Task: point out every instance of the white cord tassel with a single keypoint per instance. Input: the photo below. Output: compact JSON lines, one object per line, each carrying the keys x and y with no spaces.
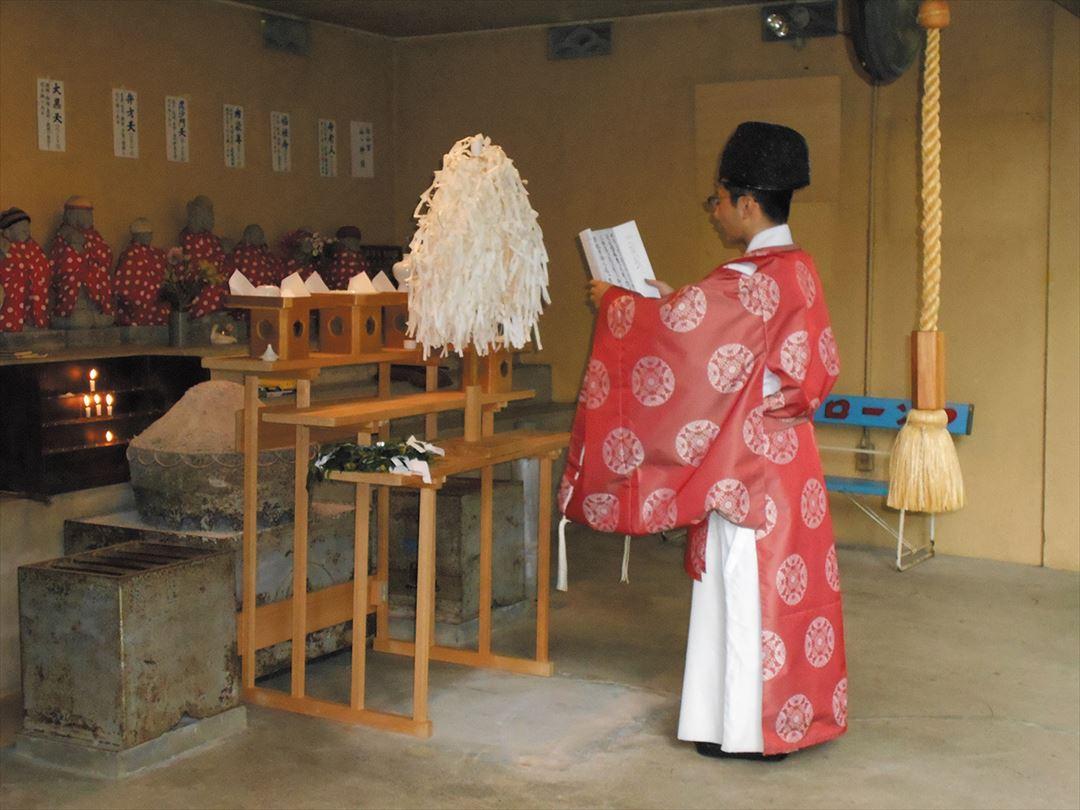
{"x":560,"y":582}
{"x":626,"y":560}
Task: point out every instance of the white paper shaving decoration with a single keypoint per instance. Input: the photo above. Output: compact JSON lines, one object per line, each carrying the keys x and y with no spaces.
{"x":477,"y":263}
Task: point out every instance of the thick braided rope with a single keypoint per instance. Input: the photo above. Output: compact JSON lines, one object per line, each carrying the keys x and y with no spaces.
{"x":931,"y":183}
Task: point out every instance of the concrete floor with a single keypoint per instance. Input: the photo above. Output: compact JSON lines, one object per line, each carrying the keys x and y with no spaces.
{"x":964,"y":693}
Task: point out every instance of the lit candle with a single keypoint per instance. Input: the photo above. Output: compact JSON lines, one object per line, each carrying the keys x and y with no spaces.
{"x":93,"y":379}
{"x":108,"y":435}
{"x":86,"y":403}
{"x":97,"y":403}
{"x":108,"y":404}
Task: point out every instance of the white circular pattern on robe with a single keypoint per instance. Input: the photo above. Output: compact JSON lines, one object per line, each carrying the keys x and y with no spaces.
{"x":806,"y":283}
{"x":795,"y":354}
{"x":794,"y":718}
{"x":658,"y":511}
{"x":596,"y":385}
{"x":694,"y":439}
{"x":820,"y":642}
{"x":652,"y":381}
{"x":684,"y":311}
{"x":620,"y":315}
{"x":827,"y":350}
{"x":832,"y":570}
{"x":601,"y":510}
{"x":813,"y":503}
{"x":759,"y":294}
{"x":770,"y":519}
{"x":839,"y":702}
{"x":773,"y":654}
{"x":791,"y":579}
{"x":753,"y":432}
{"x":730,"y":367}
{"x":783,"y":446}
{"x":623,"y":451}
{"x":566,"y":491}
{"x":730,"y":498}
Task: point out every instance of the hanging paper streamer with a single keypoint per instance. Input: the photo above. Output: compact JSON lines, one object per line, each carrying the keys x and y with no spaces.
{"x":327,"y":148}
{"x":176,"y":128}
{"x":363,"y":149}
{"x":52,"y":135}
{"x":125,"y":123}
{"x":280,"y":142}
{"x":233,"y":125}
{"x":477,"y":263}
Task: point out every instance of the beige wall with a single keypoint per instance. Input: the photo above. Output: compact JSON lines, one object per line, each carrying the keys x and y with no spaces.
{"x":1063,"y":319}
{"x":609,"y":139}
{"x":213,"y":53}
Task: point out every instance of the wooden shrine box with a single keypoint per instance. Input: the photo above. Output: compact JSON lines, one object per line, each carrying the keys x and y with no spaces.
{"x":396,"y":321}
{"x":281,"y":322}
{"x":352,"y":323}
{"x":496,"y":371}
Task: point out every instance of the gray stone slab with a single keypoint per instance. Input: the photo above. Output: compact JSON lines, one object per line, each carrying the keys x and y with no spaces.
{"x":190,"y":737}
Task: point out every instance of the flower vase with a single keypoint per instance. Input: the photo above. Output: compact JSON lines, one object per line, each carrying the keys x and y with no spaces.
{"x":178,"y":328}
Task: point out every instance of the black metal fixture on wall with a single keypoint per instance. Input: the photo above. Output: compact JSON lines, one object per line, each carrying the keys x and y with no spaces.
{"x":793,"y":22}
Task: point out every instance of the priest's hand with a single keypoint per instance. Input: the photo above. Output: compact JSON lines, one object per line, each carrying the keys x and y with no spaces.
{"x":665,"y":289}
{"x":597,"y":289}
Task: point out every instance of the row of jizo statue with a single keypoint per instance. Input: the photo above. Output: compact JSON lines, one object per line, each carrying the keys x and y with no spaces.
{"x":75,"y":286}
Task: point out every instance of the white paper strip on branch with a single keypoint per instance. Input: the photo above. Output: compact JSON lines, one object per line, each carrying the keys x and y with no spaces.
{"x":233,"y":133}
{"x":125,"y":105}
{"x":327,"y":148}
{"x":280,"y":142}
{"x":176,"y":129}
{"x":477,"y":261}
{"x":362,"y":141}
{"x":52,"y":132}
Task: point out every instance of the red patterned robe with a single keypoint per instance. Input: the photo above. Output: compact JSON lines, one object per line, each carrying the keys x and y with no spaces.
{"x":26,"y":275}
{"x":672,"y":425}
{"x":344,"y":265}
{"x":139,"y":274}
{"x":205,"y":245}
{"x":256,"y":262}
{"x":73,"y":270}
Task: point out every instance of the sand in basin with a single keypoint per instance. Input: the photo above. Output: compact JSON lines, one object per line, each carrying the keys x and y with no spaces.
{"x":203,"y":421}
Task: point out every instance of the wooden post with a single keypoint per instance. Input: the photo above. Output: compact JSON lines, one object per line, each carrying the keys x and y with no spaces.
{"x":473,"y":414}
{"x":486,"y":488}
{"x":300,"y":545}
{"x":425,"y":603}
{"x":251,"y":508}
{"x":360,"y":590}
{"x":431,"y":383}
{"x":543,"y":560}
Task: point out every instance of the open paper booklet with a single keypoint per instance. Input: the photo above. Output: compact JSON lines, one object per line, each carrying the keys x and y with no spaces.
{"x":294,"y":287}
{"x":617,"y":255}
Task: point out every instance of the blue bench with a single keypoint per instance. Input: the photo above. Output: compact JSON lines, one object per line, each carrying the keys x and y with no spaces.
{"x":879,"y":413}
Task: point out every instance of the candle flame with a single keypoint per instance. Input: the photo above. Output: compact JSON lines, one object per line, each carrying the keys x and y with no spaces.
{"x":93,"y":374}
{"x":97,"y":399}
{"x":108,"y":399}
{"x":108,"y":435}
{"x":86,"y":400}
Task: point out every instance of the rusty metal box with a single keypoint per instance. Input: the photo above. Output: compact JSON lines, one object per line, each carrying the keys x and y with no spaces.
{"x":122,"y":644}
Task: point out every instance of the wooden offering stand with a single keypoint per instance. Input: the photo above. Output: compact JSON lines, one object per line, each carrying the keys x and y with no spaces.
{"x":485,"y":389}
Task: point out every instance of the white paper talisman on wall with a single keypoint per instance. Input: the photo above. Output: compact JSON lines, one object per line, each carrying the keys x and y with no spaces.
{"x":233,"y":130}
{"x":327,"y":148}
{"x":176,"y":128}
{"x":280,"y":142}
{"x":125,"y":114}
{"x":363,"y":149}
{"x":52,"y":135}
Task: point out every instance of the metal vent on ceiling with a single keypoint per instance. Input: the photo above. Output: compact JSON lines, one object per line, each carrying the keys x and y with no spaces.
{"x":579,"y":41}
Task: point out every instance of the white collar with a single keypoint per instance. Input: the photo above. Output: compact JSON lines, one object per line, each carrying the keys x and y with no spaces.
{"x":776,"y":236}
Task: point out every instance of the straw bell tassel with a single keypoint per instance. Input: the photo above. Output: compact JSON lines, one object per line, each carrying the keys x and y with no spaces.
{"x":924,"y":472}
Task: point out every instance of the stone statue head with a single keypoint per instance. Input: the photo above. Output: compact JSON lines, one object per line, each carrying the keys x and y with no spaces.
{"x":15,"y":225}
{"x":254,"y":236}
{"x":200,"y":215}
{"x":79,"y":213}
{"x":142,"y":232}
{"x":348,"y":237}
